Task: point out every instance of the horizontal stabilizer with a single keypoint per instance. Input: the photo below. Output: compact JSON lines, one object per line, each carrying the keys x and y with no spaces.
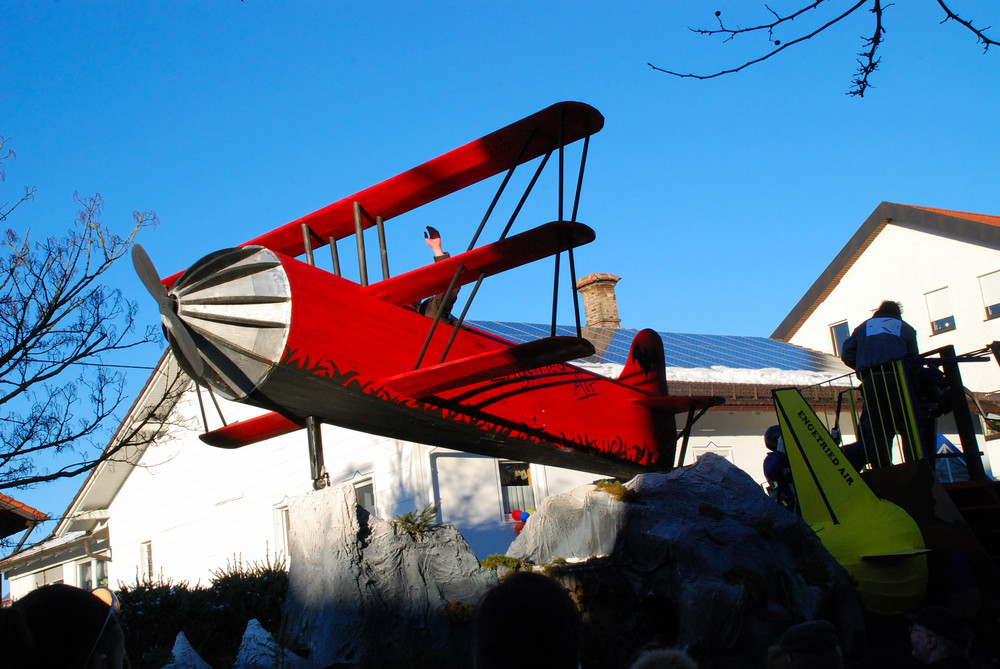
{"x":521,"y":358}
{"x":250,"y":431}
{"x":521,"y":249}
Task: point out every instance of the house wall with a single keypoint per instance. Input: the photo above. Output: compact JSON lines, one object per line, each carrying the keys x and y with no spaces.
{"x":201,"y":507}
{"x":904,"y":264}
{"x":737,"y":436}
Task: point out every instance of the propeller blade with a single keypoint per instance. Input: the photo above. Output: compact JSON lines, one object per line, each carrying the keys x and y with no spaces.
{"x":147,"y":274}
{"x":174,"y":325}
{"x":188,"y":349}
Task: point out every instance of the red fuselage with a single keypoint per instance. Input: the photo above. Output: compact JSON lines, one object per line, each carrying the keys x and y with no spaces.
{"x":342,"y":347}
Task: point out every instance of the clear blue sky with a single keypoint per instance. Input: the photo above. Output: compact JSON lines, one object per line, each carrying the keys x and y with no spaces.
{"x":718,"y":202}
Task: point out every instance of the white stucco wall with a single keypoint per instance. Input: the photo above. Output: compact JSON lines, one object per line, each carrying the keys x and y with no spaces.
{"x":201,"y":507}
{"x":737,"y":436}
{"x":904,"y":265}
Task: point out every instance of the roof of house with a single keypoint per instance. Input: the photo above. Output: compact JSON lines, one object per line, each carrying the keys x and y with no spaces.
{"x":16,"y":516}
{"x":689,"y":351}
{"x":46,"y":545}
{"x":979,"y":229}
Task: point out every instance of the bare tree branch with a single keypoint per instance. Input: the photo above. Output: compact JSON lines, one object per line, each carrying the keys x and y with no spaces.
{"x":60,"y":328}
{"x":981,"y":37}
{"x":152,"y":422}
{"x":868,"y":61}
{"x":770,"y":27}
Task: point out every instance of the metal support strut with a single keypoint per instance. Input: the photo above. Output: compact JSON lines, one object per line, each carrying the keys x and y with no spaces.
{"x":316,"y":467}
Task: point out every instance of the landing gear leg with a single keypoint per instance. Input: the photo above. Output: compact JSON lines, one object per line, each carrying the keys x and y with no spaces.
{"x":318,"y":470}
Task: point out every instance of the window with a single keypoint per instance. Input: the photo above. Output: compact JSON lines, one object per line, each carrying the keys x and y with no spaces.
{"x":365,"y":491}
{"x":839,"y":334}
{"x":102,"y":572}
{"x":515,"y":487}
{"x":939,"y":309}
{"x":49,"y":576}
{"x":146,"y":561}
{"x":990,"y":285}
{"x":281,"y":529}
{"x":85,"y":578}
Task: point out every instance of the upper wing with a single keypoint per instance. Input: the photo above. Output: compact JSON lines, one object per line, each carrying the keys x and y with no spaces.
{"x":561,"y":124}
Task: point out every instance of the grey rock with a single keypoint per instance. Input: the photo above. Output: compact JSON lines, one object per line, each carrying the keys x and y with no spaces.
{"x":184,"y":656}
{"x":259,"y":650}
{"x":362,"y":592}
{"x":703,"y":560}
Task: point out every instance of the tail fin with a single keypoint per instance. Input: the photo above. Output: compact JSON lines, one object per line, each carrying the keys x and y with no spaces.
{"x":827,"y":485}
{"x":877,"y":542}
{"x":645,"y":367}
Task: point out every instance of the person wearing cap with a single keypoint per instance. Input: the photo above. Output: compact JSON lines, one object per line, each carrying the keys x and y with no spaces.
{"x":939,"y":638}
{"x":808,"y":645}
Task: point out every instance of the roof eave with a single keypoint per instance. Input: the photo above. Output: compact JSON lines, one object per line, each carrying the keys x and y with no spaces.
{"x":954,"y":225}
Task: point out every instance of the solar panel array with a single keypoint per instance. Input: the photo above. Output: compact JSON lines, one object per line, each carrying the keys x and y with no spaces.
{"x":680,"y":350}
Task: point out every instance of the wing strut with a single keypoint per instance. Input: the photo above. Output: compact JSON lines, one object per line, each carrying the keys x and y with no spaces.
{"x":472,"y":244}
{"x":560,"y":142}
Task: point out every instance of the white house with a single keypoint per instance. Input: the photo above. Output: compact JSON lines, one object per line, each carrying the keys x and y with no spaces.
{"x":171,"y":506}
{"x":942,"y":266}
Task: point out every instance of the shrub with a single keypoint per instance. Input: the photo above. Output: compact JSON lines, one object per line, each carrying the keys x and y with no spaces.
{"x":460,"y":613}
{"x":416,"y":523}
{"x":496,"y":560}
{"x":153,"y":612}
{"x":213,"y":619}
{"x":553,"y":569}
{"x":618,"y":490}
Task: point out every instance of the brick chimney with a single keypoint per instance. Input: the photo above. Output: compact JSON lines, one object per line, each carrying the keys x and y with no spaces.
{"x":599,"y":303}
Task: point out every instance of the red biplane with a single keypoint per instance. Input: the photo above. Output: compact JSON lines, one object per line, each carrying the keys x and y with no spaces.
{"x":257,"y":325}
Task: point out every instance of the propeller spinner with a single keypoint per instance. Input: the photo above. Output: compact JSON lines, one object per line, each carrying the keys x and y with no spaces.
{"x":180,"y":338}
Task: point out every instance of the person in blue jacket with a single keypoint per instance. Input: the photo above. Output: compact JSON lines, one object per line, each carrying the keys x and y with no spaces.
{"x":880,"y":340}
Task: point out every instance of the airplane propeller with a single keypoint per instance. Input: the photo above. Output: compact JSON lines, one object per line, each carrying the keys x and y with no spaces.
{"x":168,"y":310}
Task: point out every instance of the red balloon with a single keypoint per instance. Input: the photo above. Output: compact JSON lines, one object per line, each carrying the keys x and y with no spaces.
{"x":516,"y":514}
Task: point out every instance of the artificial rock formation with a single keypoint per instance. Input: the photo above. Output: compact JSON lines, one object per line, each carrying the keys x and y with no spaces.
{"x":259,"y":650}
{"x":364,"y":592}
{"x":699,"y":558}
